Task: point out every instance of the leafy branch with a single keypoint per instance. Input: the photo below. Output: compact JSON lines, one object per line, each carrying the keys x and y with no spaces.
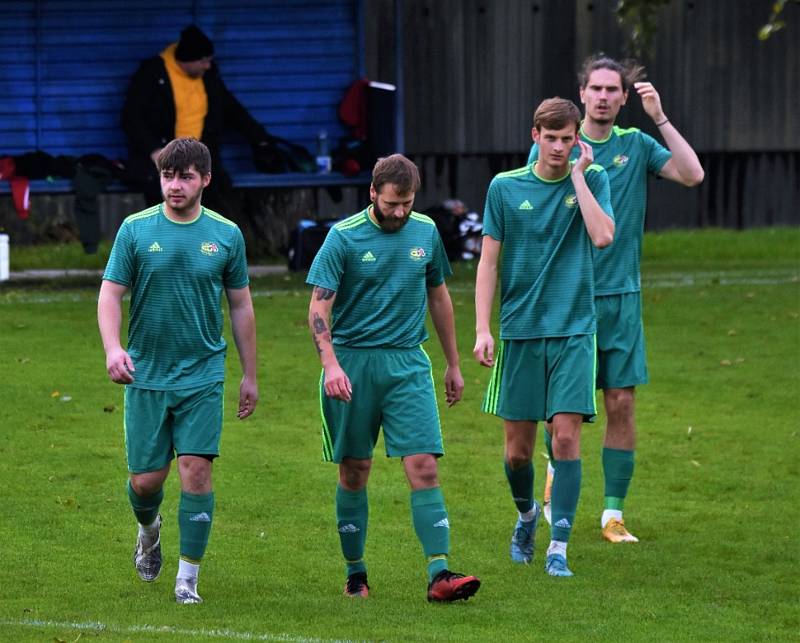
{"x":774,"y":23}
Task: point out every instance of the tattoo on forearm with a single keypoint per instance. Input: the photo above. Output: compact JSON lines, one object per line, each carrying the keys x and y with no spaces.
{"x":320,"y":331}
{"x":319,"y":324}
{"x":323,"y":294}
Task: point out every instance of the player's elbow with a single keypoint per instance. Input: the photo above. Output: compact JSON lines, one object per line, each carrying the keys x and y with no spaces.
{"x":603,"y":240}
{"x":695,"y":178}
{"x":605,"y":237}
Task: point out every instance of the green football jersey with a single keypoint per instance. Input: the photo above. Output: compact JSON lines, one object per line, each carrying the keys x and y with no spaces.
{"x":628,"y":156}
{"x":547,"y":278}
{"x":176,"y":273}
{"x":380,"y":279}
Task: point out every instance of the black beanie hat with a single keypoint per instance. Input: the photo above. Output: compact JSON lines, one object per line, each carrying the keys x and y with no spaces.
{"x":193,"y":45}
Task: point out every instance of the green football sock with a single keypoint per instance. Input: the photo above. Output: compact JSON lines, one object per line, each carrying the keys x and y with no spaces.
{"x":521,"y":483}
{"x":195,"y":513}
{"x":618,"y":470}
{"x":145,"y":508}
{"x":432,"y":526}
{"x":564,"y":502}
{"x":352,"y":513}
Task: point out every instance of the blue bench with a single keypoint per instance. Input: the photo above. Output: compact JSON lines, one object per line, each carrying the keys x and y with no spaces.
{"x":65,"y":73}
{"x":241,"y":180}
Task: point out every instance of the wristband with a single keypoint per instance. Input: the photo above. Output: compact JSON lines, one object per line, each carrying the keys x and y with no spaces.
{"x":664,"y":122}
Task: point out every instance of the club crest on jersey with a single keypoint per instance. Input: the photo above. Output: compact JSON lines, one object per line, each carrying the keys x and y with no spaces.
{"x":209,"y":248}
{"x":571,"y":201}
{"x":417,"y":253}
{"x":619,"y":160}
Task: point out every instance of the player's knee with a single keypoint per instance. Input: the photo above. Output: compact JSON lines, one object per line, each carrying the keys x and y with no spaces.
{"x":422,"y":471}
{"x":566,"y":445}
{"x":519,"y":459}
{"x":146,"y":484}
{"x":353,"y":474}
{"x":195,"y":474}
{"x":619,"y":403}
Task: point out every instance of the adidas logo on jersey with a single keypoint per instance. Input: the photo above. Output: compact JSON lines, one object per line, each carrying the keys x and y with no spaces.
{"x":368,"y":257}
{"x":349,"y":528}
{"x":201,"y":517}
{"x":525,"y":205}
{"x":154,"y":247}
{"x":444,"y":522}
{"x":564,"y":523}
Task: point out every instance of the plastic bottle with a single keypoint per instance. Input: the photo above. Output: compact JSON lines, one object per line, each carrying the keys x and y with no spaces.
{"x":323,"y":153}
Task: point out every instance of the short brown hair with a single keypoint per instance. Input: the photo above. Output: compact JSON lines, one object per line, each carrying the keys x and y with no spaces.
{"x":556,"y":113}
{"x":399,"y":171}
{"x":629,"y":70}
{"x":182,"y":153}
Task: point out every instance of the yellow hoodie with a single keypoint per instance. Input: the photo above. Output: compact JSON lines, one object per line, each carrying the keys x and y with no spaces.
{"x":191,"y":101}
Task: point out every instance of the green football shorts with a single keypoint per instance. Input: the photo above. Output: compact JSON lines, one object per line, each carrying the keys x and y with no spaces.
{"x":392,"y":388}
{"x":621,"y":355}
{"x":533,"y":379}
{"x":160,"y":424}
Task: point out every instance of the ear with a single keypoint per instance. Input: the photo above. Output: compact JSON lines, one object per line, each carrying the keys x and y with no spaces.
{"x":624,"y":97}
{"x":372,"y":193}
{"x":580,"y":93}
{"x":535,"y":135}
{"x":206,"y":180}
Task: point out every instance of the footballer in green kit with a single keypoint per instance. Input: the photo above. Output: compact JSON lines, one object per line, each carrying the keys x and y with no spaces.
{"x":375,"y":277}
{"x":547,"y":218}
{"x":176,"y":258}
{"x":629,"y":156}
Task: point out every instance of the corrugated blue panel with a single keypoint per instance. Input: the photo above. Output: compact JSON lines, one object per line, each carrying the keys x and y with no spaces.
{"x":67,"y":64}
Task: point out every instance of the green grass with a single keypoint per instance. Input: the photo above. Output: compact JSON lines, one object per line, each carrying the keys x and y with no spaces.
{"x":58,"y":255}
{"x":716,"y":507}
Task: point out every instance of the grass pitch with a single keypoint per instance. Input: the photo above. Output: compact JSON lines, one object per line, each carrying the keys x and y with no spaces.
{"x":714,"y":498}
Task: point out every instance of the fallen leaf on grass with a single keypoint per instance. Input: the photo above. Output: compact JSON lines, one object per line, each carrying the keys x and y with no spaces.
{"x":55,"y":394}
{"x":109,"y":408}
{"x":23,"y":360}
{"x":69,"y":503}
{"x":695,"y":463}
{"x":725,"y":362}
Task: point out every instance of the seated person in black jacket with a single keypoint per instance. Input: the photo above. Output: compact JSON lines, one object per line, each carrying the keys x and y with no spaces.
{"x":180,"y":93}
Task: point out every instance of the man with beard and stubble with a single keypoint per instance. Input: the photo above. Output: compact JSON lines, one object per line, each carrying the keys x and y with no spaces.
{"x":372,"y":279}
{"x":176,"y":258}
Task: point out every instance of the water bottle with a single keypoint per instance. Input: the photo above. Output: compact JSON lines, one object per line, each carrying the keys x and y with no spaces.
{"x":323,"y":153}
{"x":3,"y":257}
